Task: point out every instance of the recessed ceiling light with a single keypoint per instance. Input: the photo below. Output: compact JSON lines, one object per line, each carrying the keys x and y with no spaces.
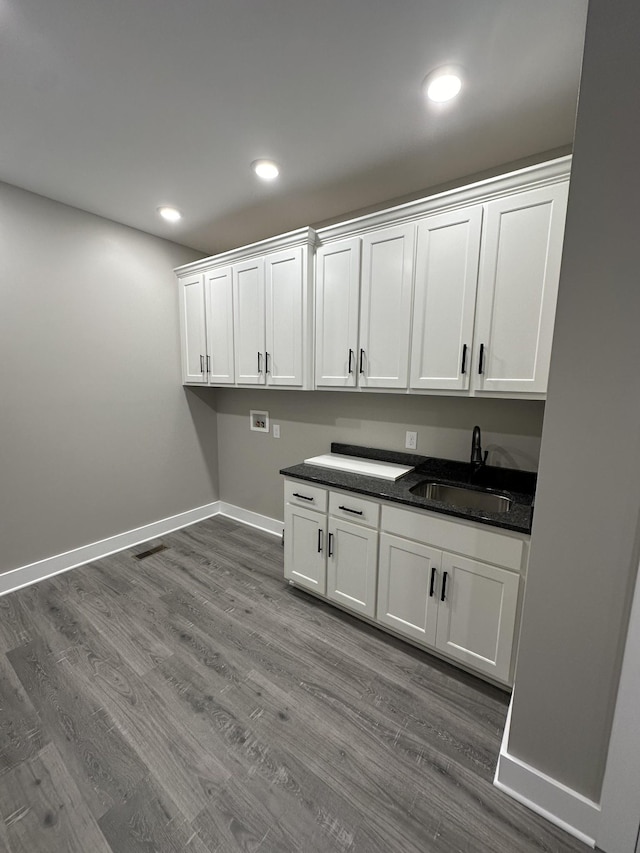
{"x":265,"y":169}
{"x":443,"y":84}
{"x":171,"y":214}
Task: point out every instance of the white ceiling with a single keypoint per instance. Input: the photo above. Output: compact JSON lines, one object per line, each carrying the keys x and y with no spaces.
{"x":117,"y":106}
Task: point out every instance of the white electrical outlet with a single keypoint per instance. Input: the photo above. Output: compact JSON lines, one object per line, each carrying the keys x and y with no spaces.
{"x":276,"y":430}
{"x":411,"y":441}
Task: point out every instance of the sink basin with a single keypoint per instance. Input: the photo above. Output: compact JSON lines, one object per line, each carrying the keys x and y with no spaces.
{"x":461,"y":497}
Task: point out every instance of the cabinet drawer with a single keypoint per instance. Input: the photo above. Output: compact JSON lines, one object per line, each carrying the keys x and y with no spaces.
{"x":457,"y":535}
{"x":301,"y":493}
{"x":354,"y":508}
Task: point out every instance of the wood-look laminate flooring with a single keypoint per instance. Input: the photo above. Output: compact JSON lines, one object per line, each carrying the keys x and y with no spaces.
{"x":192,"y":701}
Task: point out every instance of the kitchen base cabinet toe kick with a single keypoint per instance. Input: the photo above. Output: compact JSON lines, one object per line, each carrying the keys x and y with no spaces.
{"x":453,"y":588}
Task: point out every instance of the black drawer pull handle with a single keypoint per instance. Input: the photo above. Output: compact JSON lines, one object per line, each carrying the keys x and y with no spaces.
{"x":304,"y":497}
{"x":350,"y":360}
{"x":208,"y":364}
{"x":361,"y":361}
{"x":266,"y":362}
{"x":432,"y":585}
{"x":331,"y":544}
{"x":201,"y":364}
{"x":354,"y":511}
{"x":259,"y":362}
{"x":481,"y":359}
{"x":444,"y":586}
{"x":463,"y":368}
{"x":320,"y":531}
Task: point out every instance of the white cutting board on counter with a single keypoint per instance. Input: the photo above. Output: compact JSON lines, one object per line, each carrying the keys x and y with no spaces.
{"x":356,"y":465}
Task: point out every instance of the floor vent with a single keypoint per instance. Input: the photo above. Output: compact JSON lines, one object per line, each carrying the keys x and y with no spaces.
{"x":155,"y":550}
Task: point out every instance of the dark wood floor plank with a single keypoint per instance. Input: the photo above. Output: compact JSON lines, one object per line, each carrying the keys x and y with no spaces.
{"x":174,"y":757}
{"x":100,"y":760}
{"x":150,"y":822}
{"x":259,"y":718}
{"x":92,"y":606}
{"x":457,"y":734}
{"x":21,"y":733}
{"x":14,"y":623}
{"x":43,"y":809}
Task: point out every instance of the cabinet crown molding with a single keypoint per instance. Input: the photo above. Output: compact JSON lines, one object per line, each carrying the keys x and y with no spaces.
{"x":539,"y":175}
{"x":300,"y":237}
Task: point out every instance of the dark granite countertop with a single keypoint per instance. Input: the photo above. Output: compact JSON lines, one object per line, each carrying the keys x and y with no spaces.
{"x":518,"y":485}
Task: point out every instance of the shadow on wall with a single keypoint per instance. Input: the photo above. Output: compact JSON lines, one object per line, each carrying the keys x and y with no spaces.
{"x":202,"y":406}
{"x":311,"y":420}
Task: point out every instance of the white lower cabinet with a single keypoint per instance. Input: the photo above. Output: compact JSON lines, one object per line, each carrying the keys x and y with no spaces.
{"x":352,"y":561}
{"x":407,"y":576}
{"x":477,"y":608}
{"x":399,"y":568}
{"x":304,"y":558}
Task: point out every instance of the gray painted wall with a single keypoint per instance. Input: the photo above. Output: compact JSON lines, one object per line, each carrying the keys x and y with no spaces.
{"x":97,"y":436}
{"x":249,"y":461}
{"x":585,"y":543}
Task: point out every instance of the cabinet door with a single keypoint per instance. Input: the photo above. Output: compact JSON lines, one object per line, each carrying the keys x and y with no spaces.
{"x":304,"y":548}
{"x":337,"y":306}
{"x":476,"y":615}
{"x":445,"y":299}
{"x":284,"y":318}
{"x":517,"y":290}
{"x":385,"y":312}
{"x":407,"y":587}
{"x":219,"y":316}
{"x":352,"y":559}
{"x":248,"y":313}
{"x":192,"y":329}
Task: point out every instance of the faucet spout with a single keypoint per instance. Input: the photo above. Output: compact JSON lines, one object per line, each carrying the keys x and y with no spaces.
{"x":478,"y":458}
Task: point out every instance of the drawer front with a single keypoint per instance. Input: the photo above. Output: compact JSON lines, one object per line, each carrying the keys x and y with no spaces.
{"x":459,"y":536}
{"x":354,"y":508}
{"x":301,"y":493}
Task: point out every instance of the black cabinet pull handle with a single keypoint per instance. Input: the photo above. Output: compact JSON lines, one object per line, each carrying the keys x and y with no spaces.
{"x":201,"y":364}
{"x":463,"y":367}
{"x":350,"y":359}
{"x":432,"y":585}
{"x":320,"y":531}
{"x":266,"y":362}
{"x":208,"y":364}
{"x":354,"y":511}
{"x":361,"y":361}
{"x":259,"y":362}
{"x":331,"y":544}
{"x":481,"y":359}
{"x":304,"y":497}
{"x":444,"y":586}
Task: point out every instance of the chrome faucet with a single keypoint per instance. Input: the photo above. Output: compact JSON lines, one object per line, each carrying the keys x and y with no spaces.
{"x":478,"y":458}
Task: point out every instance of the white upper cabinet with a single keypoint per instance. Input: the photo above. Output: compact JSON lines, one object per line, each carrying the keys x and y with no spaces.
{"x":219,"y":322}
{"x":385,"y":309}
{"x":452,"y":294}
{"x":337,"y":308}
{"x":248,"y":301}
{"x":285,"y":321}
{"x":193,"y":329}
{"x":247,"y":315}
{"x":517,"y":290}
{"x":444,"y":300}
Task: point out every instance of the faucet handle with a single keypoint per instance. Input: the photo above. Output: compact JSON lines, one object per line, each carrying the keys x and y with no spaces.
{"x":486,"y":453}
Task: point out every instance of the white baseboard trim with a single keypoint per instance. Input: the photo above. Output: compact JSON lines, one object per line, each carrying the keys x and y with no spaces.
{"x":544,"y":795}
{"x":34,"y":572}
{"x":253,"y":519}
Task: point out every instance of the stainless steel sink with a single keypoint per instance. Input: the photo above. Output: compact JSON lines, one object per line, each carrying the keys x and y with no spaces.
{"x":461,"y":497}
